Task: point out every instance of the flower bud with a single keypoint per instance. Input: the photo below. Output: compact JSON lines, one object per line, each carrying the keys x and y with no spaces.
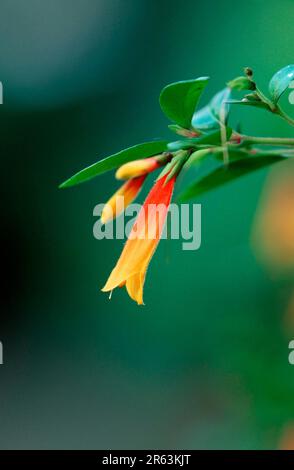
{"x":137,"y":168}
{"x":248,"y":71}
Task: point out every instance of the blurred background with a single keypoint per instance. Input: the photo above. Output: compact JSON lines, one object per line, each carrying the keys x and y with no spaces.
{"x":205,"y":363}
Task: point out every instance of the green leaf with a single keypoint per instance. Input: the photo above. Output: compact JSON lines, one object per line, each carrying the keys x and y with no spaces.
{"x":213,"y":138}
{"x":225,"y":174}
{"x":197,"y":156}
{"x":280,"y":82}
{"x":144,"y":150}
{"x":234,"y":154}
{"x":241,"y":83}
{"x":207,"y":118}
{"x":180,"y":145}
{"x":219,"y":101}
{"x":179,"y":100}
{"x":204,"y":120}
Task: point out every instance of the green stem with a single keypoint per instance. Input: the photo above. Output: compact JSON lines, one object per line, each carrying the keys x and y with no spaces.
{"x":265,"y":99}
{"x":284,"y":152}
{"x":267,"y":140}
{"x":274,"y":108}
{"x":284,"y":116}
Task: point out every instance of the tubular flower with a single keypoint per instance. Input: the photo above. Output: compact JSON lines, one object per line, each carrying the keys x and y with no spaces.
{"x":137,"y":168}
{"x":132,"y":265}
{"x":122,"y":198}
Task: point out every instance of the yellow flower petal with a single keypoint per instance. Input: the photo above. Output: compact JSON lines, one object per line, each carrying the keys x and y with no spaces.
{"x":136,"y":168}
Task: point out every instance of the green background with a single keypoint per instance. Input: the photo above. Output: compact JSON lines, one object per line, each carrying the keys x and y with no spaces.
{"x":205,"y":363}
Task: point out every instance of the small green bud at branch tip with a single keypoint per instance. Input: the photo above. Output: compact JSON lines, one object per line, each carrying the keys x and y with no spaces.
{"x":241,"y":83}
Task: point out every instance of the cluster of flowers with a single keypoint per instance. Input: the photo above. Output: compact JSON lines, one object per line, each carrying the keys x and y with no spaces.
{"x":130,"y":270}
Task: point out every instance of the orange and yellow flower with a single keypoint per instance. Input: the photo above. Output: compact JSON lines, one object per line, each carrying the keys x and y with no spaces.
{"x":122,"y":198}
{"x":132,"y":265}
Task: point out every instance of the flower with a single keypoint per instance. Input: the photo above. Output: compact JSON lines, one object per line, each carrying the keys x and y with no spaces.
{"x":132,"y":265}
{"x":122,"y":198}
{"x":137,"y":168}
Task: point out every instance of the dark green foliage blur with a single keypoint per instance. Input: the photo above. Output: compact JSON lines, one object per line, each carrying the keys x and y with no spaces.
{"x":205,"y":363}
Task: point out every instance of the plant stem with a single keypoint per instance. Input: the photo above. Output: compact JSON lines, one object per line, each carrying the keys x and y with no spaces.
{"x":284,"y":116}
{"x":274,"y":108}
{"x":265,"y":99}
{"x":223,"y":132}
{"x":267,"y":140}
{"x":280,"y":152}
